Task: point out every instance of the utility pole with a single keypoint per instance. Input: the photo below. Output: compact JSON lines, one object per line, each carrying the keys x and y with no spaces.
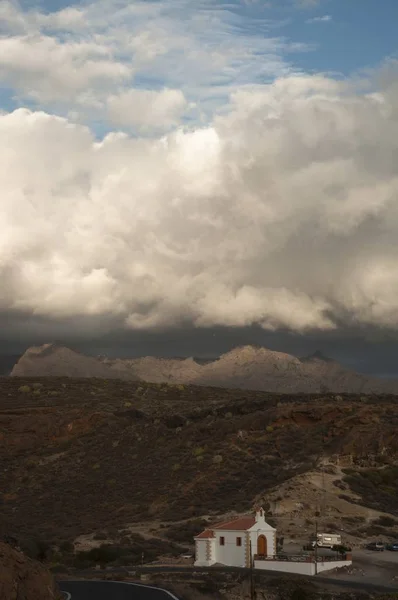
{"x":252,"y":594}
{"x":316,"y":545}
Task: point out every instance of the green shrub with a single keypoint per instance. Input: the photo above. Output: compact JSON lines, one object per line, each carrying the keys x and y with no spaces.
{"x":37,"y":549}
{"x":385,"y":521}
{"x":185,"y":532}
{"x":57,"y":568}
{"x":67,"y":546}
{"x":198,"y":451}
{"x":104,"y":554}
{"x":377,"y":487}
{"x":25,"y":389}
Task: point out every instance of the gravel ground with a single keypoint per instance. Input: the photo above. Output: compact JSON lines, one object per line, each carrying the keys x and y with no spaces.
{"x":378,"y":568}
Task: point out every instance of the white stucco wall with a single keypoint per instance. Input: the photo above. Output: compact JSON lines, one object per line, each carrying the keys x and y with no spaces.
{"x":230,"y":554}
{"x":261,"y":527}
{"x":204,"y":552}
{"x":302,"y":568}
{"x":200,"y":552}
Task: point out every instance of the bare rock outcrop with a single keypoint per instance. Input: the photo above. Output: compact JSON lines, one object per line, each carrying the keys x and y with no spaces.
{"x":24,"y":579}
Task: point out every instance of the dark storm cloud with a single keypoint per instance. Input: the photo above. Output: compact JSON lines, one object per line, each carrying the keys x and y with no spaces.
{"x":370,"y":350}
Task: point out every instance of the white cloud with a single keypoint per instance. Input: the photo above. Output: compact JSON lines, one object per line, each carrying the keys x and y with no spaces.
{"x":107,"y":48}
{"x":147,"y":110}
{"x":322,"y":19}
{"x":70,"y":18}
{"x":47,"y":69}
{"x":281,"y":212}
{"x":280,"y":209}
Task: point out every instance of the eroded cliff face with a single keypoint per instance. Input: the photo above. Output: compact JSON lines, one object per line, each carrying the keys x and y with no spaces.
{"x":24,"y":579}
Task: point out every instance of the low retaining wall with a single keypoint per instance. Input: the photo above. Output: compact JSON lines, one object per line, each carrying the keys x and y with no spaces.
{"x":301,"y":568}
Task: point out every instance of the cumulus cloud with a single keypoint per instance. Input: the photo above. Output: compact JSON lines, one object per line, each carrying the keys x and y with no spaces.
{"x":147,"y":109}
{"x":281,"y":212}
{"x":49,"y":70}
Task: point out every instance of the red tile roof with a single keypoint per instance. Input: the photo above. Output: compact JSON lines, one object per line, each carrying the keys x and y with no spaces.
{"x":207,"y":533}
{"x":239,"y":524}
{"x":236,"y":524}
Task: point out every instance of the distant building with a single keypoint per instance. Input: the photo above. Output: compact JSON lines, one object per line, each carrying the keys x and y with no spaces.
{"x":229,"y":543}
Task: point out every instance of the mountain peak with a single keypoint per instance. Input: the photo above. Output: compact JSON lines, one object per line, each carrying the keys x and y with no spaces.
{"x":317,"y":355}
{"x":53,"y":359}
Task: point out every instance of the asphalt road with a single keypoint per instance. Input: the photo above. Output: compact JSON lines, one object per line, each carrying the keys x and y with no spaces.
{"x":110,"y":590}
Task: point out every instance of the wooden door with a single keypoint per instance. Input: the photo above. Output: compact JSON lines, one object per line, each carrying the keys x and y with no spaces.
{"x":262,"y":545}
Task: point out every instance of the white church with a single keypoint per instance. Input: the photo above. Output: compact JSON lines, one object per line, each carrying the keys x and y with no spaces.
{"x":229,"y":543}
{"x":251,"y":541}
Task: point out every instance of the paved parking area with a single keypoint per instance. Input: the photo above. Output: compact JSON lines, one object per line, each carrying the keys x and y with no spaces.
{"x":378,"y":568}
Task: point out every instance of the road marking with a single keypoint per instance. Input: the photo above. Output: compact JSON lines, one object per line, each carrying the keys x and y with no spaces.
{"x":150,"y":587}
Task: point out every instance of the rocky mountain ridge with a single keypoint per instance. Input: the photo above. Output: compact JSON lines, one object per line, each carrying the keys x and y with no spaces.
{"x":246,"y":367}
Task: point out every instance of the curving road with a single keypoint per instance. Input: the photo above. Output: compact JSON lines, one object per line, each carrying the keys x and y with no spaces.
{"x":112,"y":590}
{"x":116,"y":590}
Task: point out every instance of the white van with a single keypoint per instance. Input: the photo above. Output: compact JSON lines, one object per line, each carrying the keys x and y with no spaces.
{"x":327,"y":540}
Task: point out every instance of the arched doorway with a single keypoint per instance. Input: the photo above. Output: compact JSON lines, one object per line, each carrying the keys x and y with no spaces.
{"x":262,"y":545}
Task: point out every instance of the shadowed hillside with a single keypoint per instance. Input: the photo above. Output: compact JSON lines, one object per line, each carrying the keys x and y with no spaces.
{"x":76,"y":455}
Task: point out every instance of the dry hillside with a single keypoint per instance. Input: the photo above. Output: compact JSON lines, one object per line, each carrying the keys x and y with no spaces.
{"x":79,"y":456}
